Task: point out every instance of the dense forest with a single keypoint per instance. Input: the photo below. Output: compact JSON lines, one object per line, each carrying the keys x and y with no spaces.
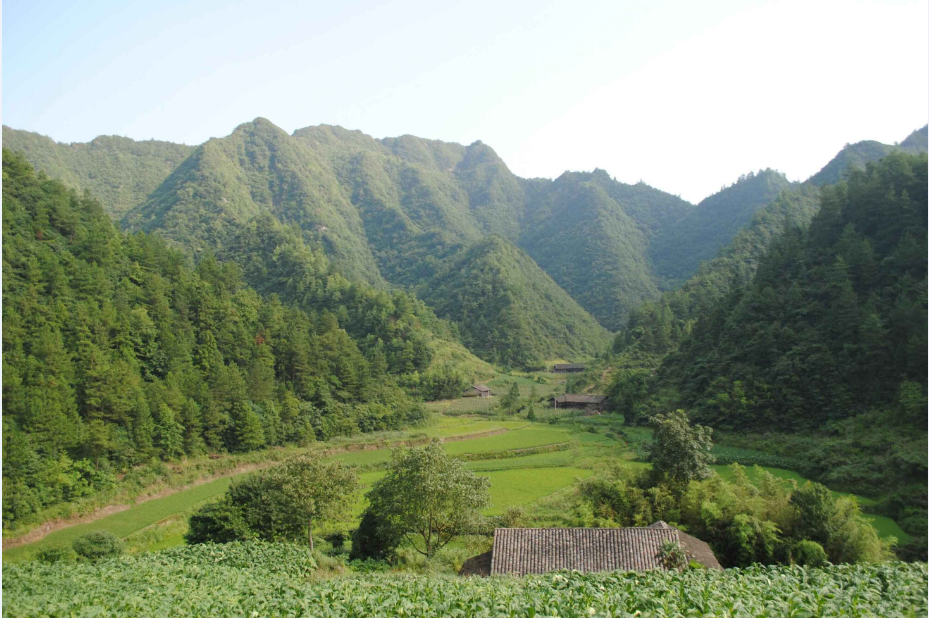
{"x":509,"y":310}
{"x":821,"y":355}
{"x":116,"y":351}
{"x":118,"y":171}
{"x":833,"y":323}
{"x":396,"y":212}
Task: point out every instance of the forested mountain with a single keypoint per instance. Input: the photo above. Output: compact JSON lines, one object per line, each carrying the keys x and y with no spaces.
{"x":678,"y":251}
{"x":657,"y":327}
{"x":119,"y":171}
{"x":591,"y":234}
{"x":258,"y":169}
{"x":116,"y":351}
{"x":857,"y":155}
{"x":834,"y":321}
{"x":509,"y":310}
{"x":394,"y":212}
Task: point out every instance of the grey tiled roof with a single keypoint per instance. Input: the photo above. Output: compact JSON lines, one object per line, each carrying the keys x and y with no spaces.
{"x":520,"y":551}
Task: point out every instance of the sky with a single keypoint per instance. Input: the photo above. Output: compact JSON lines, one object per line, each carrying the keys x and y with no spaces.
{"x":685,"y":96}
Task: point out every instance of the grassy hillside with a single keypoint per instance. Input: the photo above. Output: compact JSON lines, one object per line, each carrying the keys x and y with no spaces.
{"x":509,"y":310}
{"x":119,"y":171}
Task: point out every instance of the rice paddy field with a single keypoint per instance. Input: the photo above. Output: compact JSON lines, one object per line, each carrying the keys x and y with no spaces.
{"x":525,"y":461}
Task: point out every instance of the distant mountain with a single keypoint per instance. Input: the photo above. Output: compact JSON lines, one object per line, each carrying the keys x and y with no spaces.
{"x":857,"y":155}
{"x":678,"y":251}
{"x":258,"y":169}
{"x":119,"y":171}
{"x":659,"y":326}
{"x":591,"y":234}
{"x":396,"y":212}
{"x":509,"y":310}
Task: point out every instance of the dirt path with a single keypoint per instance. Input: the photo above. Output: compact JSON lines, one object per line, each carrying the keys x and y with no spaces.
{"x":40,"y":532}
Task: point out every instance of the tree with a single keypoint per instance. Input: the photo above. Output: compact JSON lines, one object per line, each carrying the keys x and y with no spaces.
{"x":316,"y":489}
{"x":816,"y":512}
{"x":680,"y":453}
{"x":429,"y":498}
{"x":374,"y":538}
{"x":511,"y":400}
{"x":281,"y":503}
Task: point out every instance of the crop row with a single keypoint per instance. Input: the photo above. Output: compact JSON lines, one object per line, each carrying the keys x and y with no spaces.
{"x":747,"y":457}
{"x":181,"y":585}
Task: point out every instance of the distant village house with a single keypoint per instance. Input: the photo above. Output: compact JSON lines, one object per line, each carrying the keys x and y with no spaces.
{"x":478,"y":390}
{"x":591,"y":403}
{"x":568,"y":368}
{"x":525,"y":551}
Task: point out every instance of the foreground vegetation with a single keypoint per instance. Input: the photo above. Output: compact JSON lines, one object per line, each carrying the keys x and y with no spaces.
{"x":272,"y":580}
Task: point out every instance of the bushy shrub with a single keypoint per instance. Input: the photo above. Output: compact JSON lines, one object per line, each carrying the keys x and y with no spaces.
{"x":99,"y":545}
{"x":671,"y":556}
{"x":373,"y":538}
{"x":53,"y":555}
{"x":220,"y":522}
{"x":809,"y":553}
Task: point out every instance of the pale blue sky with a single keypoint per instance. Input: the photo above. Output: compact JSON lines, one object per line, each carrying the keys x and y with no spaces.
{"x":684,"y":95}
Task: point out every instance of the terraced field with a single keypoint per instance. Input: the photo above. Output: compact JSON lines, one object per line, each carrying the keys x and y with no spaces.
{"x":518,"y":478}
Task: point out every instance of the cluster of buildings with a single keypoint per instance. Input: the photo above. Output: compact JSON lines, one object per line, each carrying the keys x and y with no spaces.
{"x":592,"y":404}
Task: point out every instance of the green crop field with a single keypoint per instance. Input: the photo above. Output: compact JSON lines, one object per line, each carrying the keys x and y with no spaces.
{"x":516,"y":480}
{"x":521,"y":438}
{"x":126,"y":522}
{"x":256,"y":579}
{"x":524,"y":486}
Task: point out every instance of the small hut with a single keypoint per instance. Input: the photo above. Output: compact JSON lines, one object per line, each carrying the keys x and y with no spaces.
{"x":591,"y":403}
{"x":478,"y":390}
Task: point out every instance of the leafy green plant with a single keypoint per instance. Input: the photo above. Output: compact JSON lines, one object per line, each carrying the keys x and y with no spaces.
{"x":99,"y":545}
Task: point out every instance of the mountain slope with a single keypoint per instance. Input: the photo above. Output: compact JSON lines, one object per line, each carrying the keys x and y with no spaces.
{"x":509,"y":310}
{"x":659,"y":326}
{"x":834,"y":322}
{"x":591,"y":233}
{"x":679,"y":250}
{"x":857,"y":155}
{"x":116,"y":351}
{"x":258,"y":169}
{"x":119,"y":171}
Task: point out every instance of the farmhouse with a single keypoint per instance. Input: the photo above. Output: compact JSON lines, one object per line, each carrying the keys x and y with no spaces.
{"x":591,"y":403}
{"x":568,"y":368}
{"x":524,"y":551}
{"x":478,"y":390}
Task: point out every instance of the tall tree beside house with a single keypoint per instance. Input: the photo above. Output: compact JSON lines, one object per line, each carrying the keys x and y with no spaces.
{"x":680,"y":452}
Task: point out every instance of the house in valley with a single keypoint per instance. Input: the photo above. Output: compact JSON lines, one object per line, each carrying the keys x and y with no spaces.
{"x":524,"y":551}
{"x":568,"y":368}
{"x":478,"y":390}
{"x":594,"y":404}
